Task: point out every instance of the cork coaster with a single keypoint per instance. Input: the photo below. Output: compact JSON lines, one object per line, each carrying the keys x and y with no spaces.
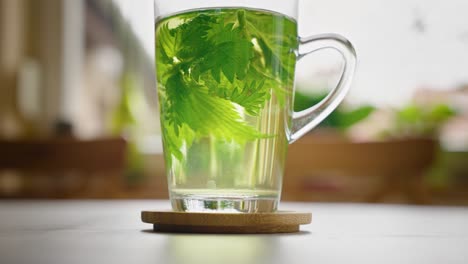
{"x":226,"y":223}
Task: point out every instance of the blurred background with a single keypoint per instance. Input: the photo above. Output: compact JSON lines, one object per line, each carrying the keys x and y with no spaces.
{"x":79,"y":113}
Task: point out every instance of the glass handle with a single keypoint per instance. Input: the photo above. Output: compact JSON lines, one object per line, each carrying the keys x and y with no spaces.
{"x":304,"y":121}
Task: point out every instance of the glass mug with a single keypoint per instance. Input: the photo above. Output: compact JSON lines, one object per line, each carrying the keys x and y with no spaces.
{"x":225,"y":74}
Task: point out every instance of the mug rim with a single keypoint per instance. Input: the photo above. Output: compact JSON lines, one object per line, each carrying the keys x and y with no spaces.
{"x":164,"y":8}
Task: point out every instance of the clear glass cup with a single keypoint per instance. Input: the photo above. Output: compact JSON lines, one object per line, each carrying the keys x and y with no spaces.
{"x":225,"y":74}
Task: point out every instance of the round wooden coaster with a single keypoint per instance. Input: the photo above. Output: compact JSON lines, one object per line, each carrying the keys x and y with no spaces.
{"x":226,"y":223}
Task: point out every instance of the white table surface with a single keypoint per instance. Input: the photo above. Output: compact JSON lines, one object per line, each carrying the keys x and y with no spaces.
{"x":111,"y":232}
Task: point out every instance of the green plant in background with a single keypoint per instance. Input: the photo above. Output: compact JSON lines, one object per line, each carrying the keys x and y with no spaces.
{"x":418,"y":121}
{"x":409,"y":121}
{"x":124,"y":122}
{"x":341,"y":119}
{"x":123,"y":117}
{"x":414,"y":120}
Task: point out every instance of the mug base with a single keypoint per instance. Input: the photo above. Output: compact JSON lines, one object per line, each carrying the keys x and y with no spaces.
{"x":231,"y":204}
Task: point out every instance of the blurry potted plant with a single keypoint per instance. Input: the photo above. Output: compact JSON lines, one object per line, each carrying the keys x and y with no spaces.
{"x":376,"y":153}
{"x":340,"y":120}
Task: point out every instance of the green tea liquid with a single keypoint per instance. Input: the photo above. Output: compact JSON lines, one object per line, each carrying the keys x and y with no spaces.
{"x":225,"y":81}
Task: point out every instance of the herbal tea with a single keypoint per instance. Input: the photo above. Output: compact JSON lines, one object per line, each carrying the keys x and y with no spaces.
{"x":225,"y":79}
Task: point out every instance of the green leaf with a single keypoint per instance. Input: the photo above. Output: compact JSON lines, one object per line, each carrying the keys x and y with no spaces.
{"x":176,"y":92}
{"x":273,"y":61}
{"x":191,"y":36}
{"x":441,"y":113}
{"x":222,"y":33}
{"x":303,"y":101}
{"x":213,"y":116}
{"x":251,"y":97}
{"x":340,"y":118}
{"x":348,"y":119}
{"x":167,"y":43}
{"x":208,"y":65}
{"x":411,"y":114}
{"x":232,"y":58}
{"x":278,"y":49}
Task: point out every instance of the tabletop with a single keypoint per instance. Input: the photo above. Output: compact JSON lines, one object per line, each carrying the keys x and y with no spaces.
{"x":112,"y":232}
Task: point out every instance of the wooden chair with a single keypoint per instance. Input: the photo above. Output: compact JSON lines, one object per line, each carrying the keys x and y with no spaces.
{"x":340,"y":170}
{"x":58,"y":168}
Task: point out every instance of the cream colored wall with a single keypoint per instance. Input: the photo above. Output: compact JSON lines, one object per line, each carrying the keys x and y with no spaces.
{"x":402,"y":45}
